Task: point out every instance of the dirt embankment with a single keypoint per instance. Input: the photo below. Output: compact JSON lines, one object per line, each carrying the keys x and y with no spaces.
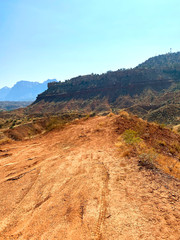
{"x":72,"y":184}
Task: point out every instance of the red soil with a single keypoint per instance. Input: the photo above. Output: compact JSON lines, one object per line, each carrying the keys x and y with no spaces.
{"x":72,"y":184}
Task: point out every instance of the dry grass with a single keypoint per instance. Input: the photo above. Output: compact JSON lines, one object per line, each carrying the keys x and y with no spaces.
{"x":169,"y":165}
{"x":176,"y":128}
{"x":149,"y":153}
{"x":124,"y":114}
{"x":111,"y":114}
{"x":54,"y":123}
{"x":5,"y":140}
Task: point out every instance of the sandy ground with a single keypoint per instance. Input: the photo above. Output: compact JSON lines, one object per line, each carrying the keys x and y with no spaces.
{"x":72,"y":184}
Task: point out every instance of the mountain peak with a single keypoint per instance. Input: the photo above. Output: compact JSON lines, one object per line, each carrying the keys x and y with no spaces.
{"x":24,"y":90}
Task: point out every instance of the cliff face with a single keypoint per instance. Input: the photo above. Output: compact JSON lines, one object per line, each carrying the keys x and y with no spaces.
{"x":111,"y":85}
{"x":144,"y":89}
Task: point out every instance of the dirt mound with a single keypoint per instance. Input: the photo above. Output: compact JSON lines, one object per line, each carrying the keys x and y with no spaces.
{"x":73,"y":184}
{"x":37,"y":126}
{"x":25,"y":130}
{"x":156,"y":135}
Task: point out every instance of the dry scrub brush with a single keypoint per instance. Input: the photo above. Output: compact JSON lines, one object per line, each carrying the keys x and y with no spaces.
{"x":131,"y":145}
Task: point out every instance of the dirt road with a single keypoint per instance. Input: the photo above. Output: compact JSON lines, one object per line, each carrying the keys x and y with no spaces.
{"x":72,"y":184}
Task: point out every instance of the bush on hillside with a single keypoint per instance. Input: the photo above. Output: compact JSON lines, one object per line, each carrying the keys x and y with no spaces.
{"x":131,"y":137}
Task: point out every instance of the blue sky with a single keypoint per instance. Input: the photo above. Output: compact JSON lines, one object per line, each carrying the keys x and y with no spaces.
{"x":41,"y":39}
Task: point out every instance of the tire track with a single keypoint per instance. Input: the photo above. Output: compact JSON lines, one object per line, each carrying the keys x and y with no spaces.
{"x":8,"y":219}
{"x":97,"y":233}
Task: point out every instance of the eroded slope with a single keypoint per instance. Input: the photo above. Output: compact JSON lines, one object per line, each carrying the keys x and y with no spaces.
{"x":74,"y":184}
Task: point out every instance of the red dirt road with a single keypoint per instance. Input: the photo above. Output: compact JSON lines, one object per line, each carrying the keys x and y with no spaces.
{"x":72,"y":184}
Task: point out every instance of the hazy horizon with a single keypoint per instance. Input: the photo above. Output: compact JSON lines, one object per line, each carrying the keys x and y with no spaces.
{"x":59,"y":39}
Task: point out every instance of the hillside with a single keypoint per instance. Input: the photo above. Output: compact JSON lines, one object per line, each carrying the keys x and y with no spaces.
{"x":92,"y":183}
{"x":23,"y":91}
{"x":146,"y":88}
{"x":170,"y":60}
{"x":8,"y":106}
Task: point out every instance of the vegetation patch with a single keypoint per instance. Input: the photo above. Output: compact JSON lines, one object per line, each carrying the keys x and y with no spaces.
{"x":147,"y":160}
{"x":55,"y":122}
{"x":131,"y":137}
{"x":152,"y":145}
{"x":5,"y":140}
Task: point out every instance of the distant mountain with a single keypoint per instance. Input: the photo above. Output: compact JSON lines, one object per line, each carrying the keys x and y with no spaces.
{"x":4,"y":92}
{"x":24,"y":91}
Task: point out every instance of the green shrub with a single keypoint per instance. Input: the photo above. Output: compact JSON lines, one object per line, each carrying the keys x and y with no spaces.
{"x":131,"y":137}
{"x":162,"y":125}
{"x":147,"y":160}
{"x":55,"y":122}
